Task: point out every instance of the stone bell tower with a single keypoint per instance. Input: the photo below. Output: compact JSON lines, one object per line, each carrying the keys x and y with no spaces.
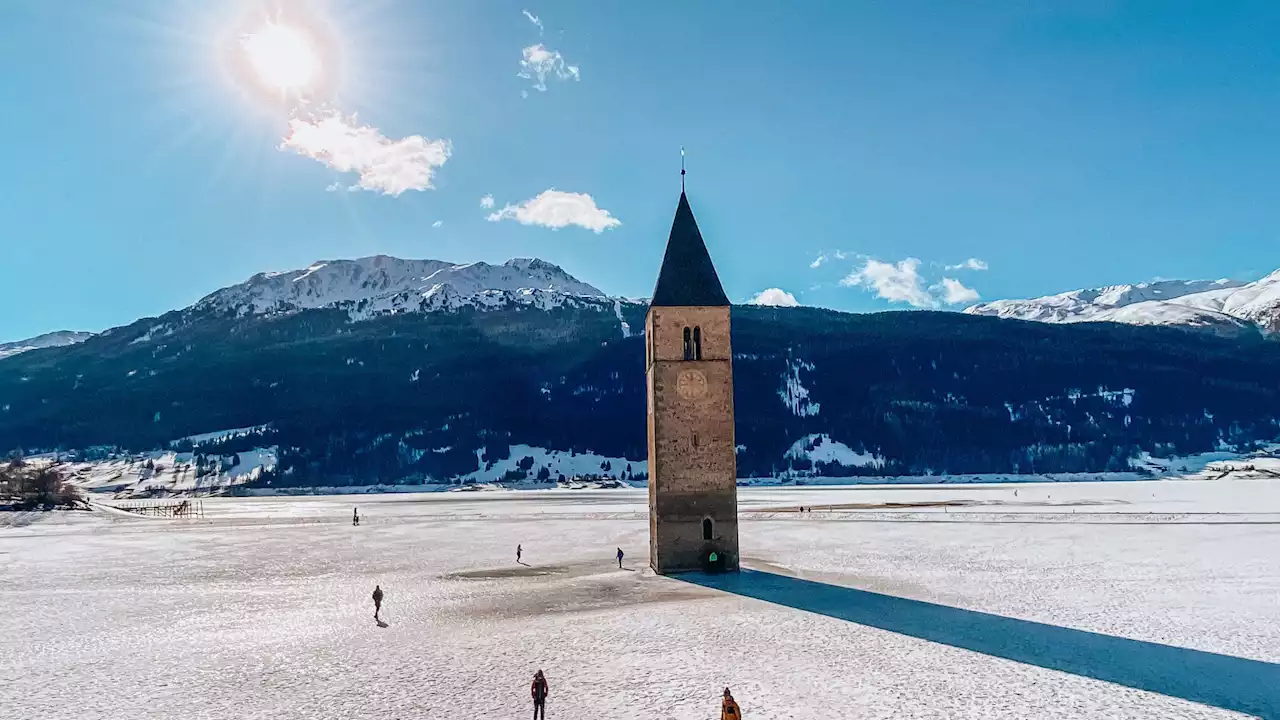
{"x":693,"y":492}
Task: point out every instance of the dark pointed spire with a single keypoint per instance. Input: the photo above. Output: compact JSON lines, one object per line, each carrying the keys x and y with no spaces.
{"x":687,"y":277}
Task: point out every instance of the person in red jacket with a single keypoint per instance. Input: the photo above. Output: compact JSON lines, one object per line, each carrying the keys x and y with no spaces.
{"x":539,"y":692}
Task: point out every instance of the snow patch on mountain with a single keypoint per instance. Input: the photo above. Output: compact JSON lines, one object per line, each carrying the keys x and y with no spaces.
{"x":1086,"y":305}
{"x":1226,"y":306}
{"x":446,"y":298}
{"x":533,"y":464}
{"x":217,"y":436}
{"x":381,"y":284}
{"x":1118,"y":397}
{"x":54,"y":339}
{"x":820,"y":448}
{"x":622,"y":323}
{"x":163,"y":472}
{"x":793,"y":393}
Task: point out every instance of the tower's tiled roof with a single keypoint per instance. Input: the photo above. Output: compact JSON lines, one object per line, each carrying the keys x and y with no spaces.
{"x":687,"y":277}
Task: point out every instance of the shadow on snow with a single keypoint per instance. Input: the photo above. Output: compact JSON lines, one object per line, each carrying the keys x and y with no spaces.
{"x":1232,"y":683}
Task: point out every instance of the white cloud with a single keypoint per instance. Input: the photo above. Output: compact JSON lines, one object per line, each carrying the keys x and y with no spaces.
{"x":824,"y":258}
{"x":776,"y":297}
{"x":334,"y":187}
{"x":556,"y":209}
{"x":954,"y":292}
{"x":970,"y":264}
{"x":902,"y":282}
{"x":486,"y":201}
{"x":895,"y":282}
{"x":539,"y":62}
{"x":387,"y":166}
{"x":437,"y":223}
{"x":533,"y":19}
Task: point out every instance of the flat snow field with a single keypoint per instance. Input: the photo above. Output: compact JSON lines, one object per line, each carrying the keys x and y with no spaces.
{"x":262,"y":608}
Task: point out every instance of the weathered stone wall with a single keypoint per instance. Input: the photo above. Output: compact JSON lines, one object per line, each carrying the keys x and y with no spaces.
{"x":664,"y":328}
{"x":692,"y":458}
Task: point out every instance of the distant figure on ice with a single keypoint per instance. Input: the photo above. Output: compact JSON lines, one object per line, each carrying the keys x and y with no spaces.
{"x":355,"y":516}
{"x":519,"y":551}
{"x":619,"y":558}
{"x":377,"y":601}
{"x":539,"y":692}
{"x":729,"y":709}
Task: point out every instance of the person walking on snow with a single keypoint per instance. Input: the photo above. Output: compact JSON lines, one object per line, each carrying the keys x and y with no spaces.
{"x":619,"y":558}
{"x":729,"y":709}
{"x":539,"y":692}
{"x":355,"y":516}
{"x":519,"y":550}
{"x":377,"y":601}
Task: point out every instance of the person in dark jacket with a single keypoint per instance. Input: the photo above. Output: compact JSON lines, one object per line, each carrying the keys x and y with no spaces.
{"x":519,"y":552}
{"x":619,"y":558}
{"x":539,"y":692}
{"x":355,"y":516}
{"x":377,"y":601}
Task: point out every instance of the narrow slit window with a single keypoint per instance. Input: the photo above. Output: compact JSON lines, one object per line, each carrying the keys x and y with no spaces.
{"x":688,"y":344}
{"x":706,"y":528}
{"x":697,"y":343}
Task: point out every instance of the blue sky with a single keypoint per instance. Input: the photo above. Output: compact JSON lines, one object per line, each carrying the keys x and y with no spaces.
{"x":1087,"y":144}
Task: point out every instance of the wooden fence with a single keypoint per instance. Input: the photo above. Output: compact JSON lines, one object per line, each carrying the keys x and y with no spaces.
{"x":185,"y":508}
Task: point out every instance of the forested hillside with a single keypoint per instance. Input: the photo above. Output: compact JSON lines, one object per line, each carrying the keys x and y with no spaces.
{"x":418,"y":396}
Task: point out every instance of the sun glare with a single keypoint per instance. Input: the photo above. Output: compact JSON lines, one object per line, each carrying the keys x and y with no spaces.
{"x":284,"y":59}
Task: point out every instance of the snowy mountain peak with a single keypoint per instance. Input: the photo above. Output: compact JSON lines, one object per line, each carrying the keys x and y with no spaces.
{"x":378,"y":280}
{"x":1224,"y":306}
{"x":47,"y":340}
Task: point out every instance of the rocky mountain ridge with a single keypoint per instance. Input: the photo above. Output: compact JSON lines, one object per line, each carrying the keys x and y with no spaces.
{"x":1226,"y":307}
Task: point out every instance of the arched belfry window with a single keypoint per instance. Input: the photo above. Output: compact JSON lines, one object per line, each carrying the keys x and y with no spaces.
{"x":697,"y":343}
{"x":688,"y":344}
{"x":707,"y":528}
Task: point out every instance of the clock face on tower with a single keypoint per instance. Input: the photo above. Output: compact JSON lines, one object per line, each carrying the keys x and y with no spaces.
{"x":691,"y":384}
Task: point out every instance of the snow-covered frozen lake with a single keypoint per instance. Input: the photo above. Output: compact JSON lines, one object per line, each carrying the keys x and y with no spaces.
{"x":261,"y":609}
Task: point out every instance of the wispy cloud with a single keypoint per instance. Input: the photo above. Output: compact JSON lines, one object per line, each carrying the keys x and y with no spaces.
{"x":437,"y":223}
{"x":895,"y":282}
{"x":486,"y":201}
{"x":775,"y":297}
{"x":384,"y":165}
{"x":556,"y":209}
{"x":533,"y":19}
{"x":954,"y":292}
{"x":824,"y":258}
{"x":970,"y":264}
{"x":539,"y":63}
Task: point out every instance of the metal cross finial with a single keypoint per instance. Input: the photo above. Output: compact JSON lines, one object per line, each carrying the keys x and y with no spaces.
{"x":681,"y":168}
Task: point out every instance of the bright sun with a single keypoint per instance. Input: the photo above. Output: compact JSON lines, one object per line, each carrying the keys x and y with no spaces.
{"x":283,"y":58}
